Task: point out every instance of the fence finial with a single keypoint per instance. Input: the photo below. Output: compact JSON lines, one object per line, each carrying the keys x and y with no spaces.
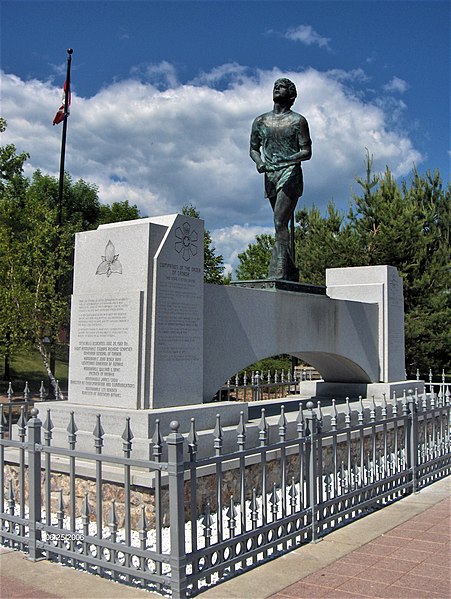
{"x":300,"y":421}
{"x":282,"y":424}
{"x":98,"y":434}
{"x":127,"y":437}
{"x":192,"y":439}
{"x":333,"y":419}
{"x":218,"y":435}
{"x":72,"y":430}
{"x":263,"y":429}
{"x":241,"y":432}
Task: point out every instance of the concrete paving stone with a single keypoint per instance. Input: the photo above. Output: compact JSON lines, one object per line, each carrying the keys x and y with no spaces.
{"x":303,"y":590}
{"x":62,"y":582}
{"x":380,"y":575}
{"x":428,"y":545}
{"x":411,"y":554}
{"x":390,"y":541}
{"x":410,"y":528}
{"x":441,"y":558}
{"x":326,"y":578}
{"x":366,"y":588}
{"x":363,"y":559}
{"x":339,"y":594}
{"x":376,"y":550}
{"x":420,"y":593}
{"x":440,"y":527}
{"x":443,"y":584}
{"x":395,"y":565}
{"x":400,"y":592}
{"x":412,"y":580}
{"x":426,"y":535}
{"x":11,"y":587}
{"x":405,"y":533}
{"x":346,"y":567}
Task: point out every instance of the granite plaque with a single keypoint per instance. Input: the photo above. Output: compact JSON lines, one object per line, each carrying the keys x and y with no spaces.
{"x":105,"y":349}
{"x":177,"y":335}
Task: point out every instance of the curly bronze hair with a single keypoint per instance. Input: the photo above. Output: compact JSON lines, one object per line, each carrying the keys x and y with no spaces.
{"x":290,"y":86}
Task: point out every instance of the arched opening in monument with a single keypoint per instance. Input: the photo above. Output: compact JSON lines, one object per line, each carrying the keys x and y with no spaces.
{"x":274,"y":377}
{"x":277,"y":377}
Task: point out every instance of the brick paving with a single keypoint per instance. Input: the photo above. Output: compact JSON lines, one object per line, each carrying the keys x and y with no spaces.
{"x":412,"y":560}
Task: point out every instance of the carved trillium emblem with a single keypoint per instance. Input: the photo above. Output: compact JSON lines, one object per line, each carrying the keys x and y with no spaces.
{"x":186,"y":243}
{"x":110,"y":262}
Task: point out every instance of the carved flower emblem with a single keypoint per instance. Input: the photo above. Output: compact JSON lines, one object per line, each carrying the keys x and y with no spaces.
{"x":186,"y":243}
{"x":110,"y":262}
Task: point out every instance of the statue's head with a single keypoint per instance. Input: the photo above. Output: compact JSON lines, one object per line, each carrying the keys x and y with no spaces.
{"x":290,"y":86}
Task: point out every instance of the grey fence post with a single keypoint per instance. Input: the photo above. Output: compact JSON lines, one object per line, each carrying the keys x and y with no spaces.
{"x":175,"y":443}
{"x":311,"y":475}
{"x":34,"y":484}
{"x":412,"y":445}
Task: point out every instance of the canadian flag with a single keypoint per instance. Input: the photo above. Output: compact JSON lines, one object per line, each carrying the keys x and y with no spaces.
{"x":59,"y":116}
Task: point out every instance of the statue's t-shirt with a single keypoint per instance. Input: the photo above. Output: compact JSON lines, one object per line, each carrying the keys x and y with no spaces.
{"x":279,"y":136}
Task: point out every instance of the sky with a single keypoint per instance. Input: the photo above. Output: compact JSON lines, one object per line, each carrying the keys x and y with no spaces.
{"x":164,"y":94}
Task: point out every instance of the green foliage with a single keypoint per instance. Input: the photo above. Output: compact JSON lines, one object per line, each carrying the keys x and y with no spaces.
{"x":11,"y":163}
{"x":37,"y":252}
{"x":279,"y":363}
{"x":213,"y":263}
{"x":254,"y":261}
{"x":118,"y":212}
{"x":26,"y":365}
{"x":323,"y":242}
{"x":408,"y":227}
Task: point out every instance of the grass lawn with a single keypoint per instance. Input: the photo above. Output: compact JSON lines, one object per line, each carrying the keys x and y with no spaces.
{"x":28,"y":366}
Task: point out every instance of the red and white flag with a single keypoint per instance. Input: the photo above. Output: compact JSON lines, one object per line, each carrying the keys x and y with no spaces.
{"x":59,"y":116}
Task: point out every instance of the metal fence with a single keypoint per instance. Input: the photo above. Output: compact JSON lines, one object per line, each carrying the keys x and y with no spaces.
{"x":291,"y":479}
{"x":15,"y":402}
{"x":432,"y":383}
{"x":257,"y":386}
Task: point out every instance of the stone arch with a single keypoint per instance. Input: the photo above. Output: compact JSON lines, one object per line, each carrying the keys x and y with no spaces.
{"x":244,"y":325}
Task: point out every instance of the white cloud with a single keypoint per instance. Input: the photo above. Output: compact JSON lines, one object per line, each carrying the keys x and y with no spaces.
{"x":396,"y":85}
{"x":189,"y":143}
{"x":161,"y":74}
{"x":307,"y":35}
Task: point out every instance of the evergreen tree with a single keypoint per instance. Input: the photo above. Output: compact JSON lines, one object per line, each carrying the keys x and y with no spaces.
{"x":408,"y":227}
{"x":323,"y":242}
{"x":254,"y":261}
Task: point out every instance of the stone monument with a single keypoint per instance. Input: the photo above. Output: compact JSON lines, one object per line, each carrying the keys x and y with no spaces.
{"x":149,"y":340}
{"x":137,"y":310}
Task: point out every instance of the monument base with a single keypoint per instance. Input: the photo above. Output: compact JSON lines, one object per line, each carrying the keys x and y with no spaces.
{"x":142,"y":423}
{"x":327,"y":390}
{"x":281,"y":285}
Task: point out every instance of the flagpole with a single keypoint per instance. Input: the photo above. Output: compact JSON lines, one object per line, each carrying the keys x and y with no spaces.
{"x":63,"y":138}
{"x":52,"y":356}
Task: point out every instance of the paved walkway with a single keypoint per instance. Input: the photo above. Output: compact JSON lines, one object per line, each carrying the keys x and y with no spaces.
{"x":401,"y":551}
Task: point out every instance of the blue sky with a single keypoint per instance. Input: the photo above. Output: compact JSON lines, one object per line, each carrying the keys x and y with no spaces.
{"x":164,"y":94}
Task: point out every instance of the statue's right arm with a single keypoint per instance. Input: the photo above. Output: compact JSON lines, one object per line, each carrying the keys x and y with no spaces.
{"x":255,"y":145}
